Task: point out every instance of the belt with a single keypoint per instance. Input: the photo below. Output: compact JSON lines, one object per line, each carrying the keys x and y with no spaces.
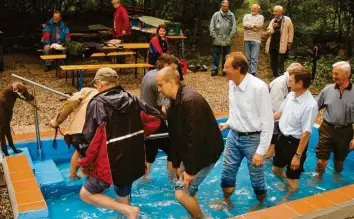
{"x":288,"y":136}
{"x":337,"y":126}
{"x":247,"y":133}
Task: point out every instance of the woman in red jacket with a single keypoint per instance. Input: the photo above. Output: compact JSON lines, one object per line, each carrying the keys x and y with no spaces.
{"x":121,"y":23}
{"x":158,"y":44}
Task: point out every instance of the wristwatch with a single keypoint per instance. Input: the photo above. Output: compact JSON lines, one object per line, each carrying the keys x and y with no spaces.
{"x":298,"y":155}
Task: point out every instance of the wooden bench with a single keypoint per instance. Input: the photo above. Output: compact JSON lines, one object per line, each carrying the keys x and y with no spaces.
{"x":61,"y":49}
{"x":101,"y":54}
{"x":80,"y":68}
{"x":54,"y":57}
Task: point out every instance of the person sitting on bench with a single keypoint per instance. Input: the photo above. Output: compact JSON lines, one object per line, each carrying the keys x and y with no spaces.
{"x":55,"y":32}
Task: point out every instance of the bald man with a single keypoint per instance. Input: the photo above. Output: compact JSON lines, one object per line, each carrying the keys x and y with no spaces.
{"x":253,"y":24}
{"x":196,"y":141}
{"x":281,"y":34}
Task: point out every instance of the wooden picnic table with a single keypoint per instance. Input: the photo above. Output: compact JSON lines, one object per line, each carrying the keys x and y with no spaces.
{"x":80,"y":68}
{"x":180,"y":47}
{"x":133,"y":46}
{"x":56,"y":58}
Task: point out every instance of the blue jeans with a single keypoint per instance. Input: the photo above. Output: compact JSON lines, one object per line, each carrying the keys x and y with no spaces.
{"x":220,"y":50}
{"x":238,"y":147}
{"x":252,"y":53}
{"x":198,"y":179}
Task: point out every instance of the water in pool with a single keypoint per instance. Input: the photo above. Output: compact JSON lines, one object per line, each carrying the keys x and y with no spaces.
{"x":156,"y":199}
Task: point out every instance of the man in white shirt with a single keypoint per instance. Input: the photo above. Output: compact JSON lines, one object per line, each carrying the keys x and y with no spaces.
{"x":253,"y":24}
{"x":297,"y":115}
{"x":251,"y":128}
{"x":279,"y":89}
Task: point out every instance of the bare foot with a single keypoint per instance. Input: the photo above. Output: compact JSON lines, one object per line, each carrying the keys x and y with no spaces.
{"x":133,"y":212}
{"x":315,"y":179}
{"x":220,"y":205}
{"x":337,"y":177}
{"x":280,"y":186}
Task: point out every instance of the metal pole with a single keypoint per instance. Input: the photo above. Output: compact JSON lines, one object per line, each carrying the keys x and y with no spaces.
{"x":156,"y":136}
{"x":41,"y":86}
{"x":36,"y":125}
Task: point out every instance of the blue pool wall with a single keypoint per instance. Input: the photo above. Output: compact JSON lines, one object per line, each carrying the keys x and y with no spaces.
{"x":62,"y":153}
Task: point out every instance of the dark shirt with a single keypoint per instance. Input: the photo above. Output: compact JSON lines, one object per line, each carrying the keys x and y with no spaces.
{"x":195,"y":137}
{"x":275,"y":40}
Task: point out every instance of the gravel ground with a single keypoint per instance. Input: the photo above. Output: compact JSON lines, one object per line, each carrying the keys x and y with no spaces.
{"x":214,"y":89}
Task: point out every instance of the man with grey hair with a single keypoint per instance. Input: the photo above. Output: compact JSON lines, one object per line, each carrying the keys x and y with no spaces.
{"x":336,"y":131}
{"x":281,"y":33}
{"x":253,"y":24}
{"x":196,"y":141}
{"x":279,"y":89}
{"x":115,"y":134}
{"x":222,"y":30}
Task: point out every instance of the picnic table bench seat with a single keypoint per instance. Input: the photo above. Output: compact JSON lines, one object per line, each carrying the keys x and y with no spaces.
{"x":80,"y":68}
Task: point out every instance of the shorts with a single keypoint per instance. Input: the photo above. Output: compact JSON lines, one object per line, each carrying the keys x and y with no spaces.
{"x":275,"y":133}
{"x":198,"y":179}
{"x":152,"y":146}
{"x":333,"y":140}
{"x":96,"y":186}
{"x":285,"y":150}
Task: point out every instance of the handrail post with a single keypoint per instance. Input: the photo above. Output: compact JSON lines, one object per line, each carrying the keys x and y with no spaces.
{"x":36,"y":125}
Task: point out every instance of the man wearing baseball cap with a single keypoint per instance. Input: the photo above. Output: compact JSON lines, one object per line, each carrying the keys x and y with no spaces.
{"x":115,"y":135}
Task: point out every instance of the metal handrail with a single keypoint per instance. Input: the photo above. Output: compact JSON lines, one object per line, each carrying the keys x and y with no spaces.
{"x":41,"y":86}
{"x":156,"y":136}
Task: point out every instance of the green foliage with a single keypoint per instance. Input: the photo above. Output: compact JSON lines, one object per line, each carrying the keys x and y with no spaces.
{"x":323,"y":71}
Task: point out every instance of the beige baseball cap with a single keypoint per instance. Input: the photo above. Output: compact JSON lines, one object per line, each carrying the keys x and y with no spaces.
{"x":106,"y":74}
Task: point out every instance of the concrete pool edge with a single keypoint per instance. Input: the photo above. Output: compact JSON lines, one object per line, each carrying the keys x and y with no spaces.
{"x":26,"y":198}
{"x":338,"y":202}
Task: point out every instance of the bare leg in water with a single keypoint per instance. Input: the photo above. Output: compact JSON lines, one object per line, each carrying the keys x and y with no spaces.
{"x":103,"y":201}
{"x":74,"y":167}
{"x":190,"y":203}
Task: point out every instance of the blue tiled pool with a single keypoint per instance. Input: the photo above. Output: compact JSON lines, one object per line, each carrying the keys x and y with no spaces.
{"x":156,"y":199}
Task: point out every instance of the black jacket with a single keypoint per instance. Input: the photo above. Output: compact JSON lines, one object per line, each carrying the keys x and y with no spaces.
{"x":195,"y":137}
{"x":121,"y":113}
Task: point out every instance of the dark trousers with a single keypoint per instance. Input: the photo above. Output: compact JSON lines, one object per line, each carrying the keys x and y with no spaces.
{"x":124,"y":39}
{"x":277,"y":62}
{"x":152,"y":146}
{"x":223,"y":51}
